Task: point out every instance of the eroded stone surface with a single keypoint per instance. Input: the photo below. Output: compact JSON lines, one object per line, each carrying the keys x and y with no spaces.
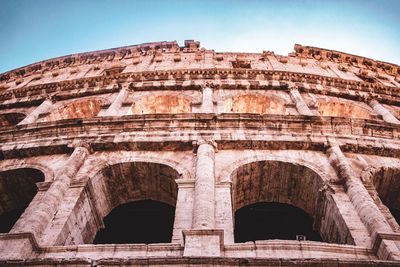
{"x":206,"y":133}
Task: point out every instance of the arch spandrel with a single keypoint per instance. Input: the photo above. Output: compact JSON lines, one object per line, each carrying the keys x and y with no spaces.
{"x":86,"y":107}
{"x":162,"y":104}
{"x":255,"y":103}
{"x":337,"y":107}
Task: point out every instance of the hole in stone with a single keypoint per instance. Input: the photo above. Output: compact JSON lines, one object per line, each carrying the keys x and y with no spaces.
{"x":17,"y":189}
{"x":9,"y":119}
{"x":396,"y":215}
{"x":145,"y":221}
{"x":272,"y":220}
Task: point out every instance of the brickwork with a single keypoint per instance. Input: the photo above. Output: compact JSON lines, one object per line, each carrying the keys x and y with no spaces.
{"x":206,"y":133}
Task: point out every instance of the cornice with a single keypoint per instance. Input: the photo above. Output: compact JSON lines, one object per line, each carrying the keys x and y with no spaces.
{"x":90,"y":57}
{"x":115,"y":55}
{"x":342,"y":57}
{"x":219,"y":78}
{"x":158,"y":132}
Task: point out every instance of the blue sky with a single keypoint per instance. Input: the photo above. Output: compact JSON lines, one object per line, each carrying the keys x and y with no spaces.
{"x":34,"y":30}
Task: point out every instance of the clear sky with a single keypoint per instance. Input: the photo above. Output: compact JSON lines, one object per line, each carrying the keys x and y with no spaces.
{"x":34,"y":30}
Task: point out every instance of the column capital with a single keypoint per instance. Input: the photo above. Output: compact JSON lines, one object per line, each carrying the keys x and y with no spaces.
{"x":81,"y":144}
{"x":207,"y":141}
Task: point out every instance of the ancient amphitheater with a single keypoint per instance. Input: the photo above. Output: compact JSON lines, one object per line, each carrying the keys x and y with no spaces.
{"x":159,"y":154}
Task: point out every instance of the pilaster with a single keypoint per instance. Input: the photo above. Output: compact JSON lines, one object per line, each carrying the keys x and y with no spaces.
{"x":45,"y":107}
{"x":381,"y":110}
{"x":301,"y":105}
{"x":363,"y":203}
{"x":39,"y":217}
{"x":115,"y":106}
{"x":207,"y":104}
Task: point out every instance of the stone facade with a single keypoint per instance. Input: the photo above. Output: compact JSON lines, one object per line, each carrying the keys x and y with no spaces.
{"x":206,"y":133}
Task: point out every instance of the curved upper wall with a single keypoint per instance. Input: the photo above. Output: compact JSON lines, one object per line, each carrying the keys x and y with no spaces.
{"x":169,"y":56}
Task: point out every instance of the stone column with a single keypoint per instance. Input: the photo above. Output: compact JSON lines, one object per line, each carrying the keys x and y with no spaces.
{"x":45,"y":107}
{"x":37,"y":218}
{"x":207,"y":104}
{"x":364,"y":205}
{"x":301,"y":106}
{"x":381,"y":110}
{"x":115,"y":106}
{"x":204,"y":189}
{"x":204,"y":240}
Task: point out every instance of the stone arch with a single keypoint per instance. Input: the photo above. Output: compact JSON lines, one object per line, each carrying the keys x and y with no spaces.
{"x":170,"y":103}
{"x":17,"y":189}
{"x":130,"y":182}
{"x":227,"y":172}
{"x":268,"y":179}
{"x":255,"y":103}
{"x":257,"y":170}
{"x":98,"y":165}
{"x":116,"y":183}
{"x":338,"y":107}
{"x":20,"y":164}
{"x":87,"y":107}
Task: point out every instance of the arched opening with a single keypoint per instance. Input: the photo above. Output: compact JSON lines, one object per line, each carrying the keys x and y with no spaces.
{"x":258,"y":104}
{"x":137,"y":203}
{"x":87,"y":108}
{"x":17,"y":189}
{"x":387,"y":184}
{"x":272,"y":220}
{"x":144,"y":221}
{"x":343,"y":109}
{"x":9,"y":119}
{"x":162,"y":104}
{"x":272,"y":191}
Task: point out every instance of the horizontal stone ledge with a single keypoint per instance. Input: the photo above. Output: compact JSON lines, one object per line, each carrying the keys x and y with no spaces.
{"x":209,"y":121}
{"x":147,"y":81}
{"x":307,"y":143}
{"x":203,"y":261}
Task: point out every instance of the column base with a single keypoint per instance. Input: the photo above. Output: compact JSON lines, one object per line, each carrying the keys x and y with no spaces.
{"x":203,"y":243}
{"x":17,"y":246}
{"x":387,"y":246}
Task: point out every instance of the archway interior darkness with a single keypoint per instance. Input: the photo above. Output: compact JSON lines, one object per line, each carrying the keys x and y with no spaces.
{"x":272,"y":220}
{"x":17,"y":189}
{"x":9,"y":119}
{"x":137,"y":203}
{"x":387,"y":184}
{"x":396,"y":214}
{"x":293,"y":199}
{"x":145,"y":221}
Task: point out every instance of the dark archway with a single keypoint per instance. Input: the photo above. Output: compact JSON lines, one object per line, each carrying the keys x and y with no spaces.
{"x":292,"y":185}
{"x":145,"y":221}
{"x":386,"y":182}
{"x":17,"y":189}
{"x":9,"y":119}
{"x":137,"y":203}
{"x":272,"y":220}
{"x":396,"y":214}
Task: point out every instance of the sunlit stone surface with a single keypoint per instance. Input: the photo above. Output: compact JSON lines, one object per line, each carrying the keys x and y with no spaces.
{"x":166,"y":155}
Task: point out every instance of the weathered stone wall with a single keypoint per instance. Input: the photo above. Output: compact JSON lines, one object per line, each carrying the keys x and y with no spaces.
{"x":206,"y":133}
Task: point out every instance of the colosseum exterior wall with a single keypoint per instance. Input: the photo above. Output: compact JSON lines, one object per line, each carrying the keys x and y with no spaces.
{"x":206,"y":133}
